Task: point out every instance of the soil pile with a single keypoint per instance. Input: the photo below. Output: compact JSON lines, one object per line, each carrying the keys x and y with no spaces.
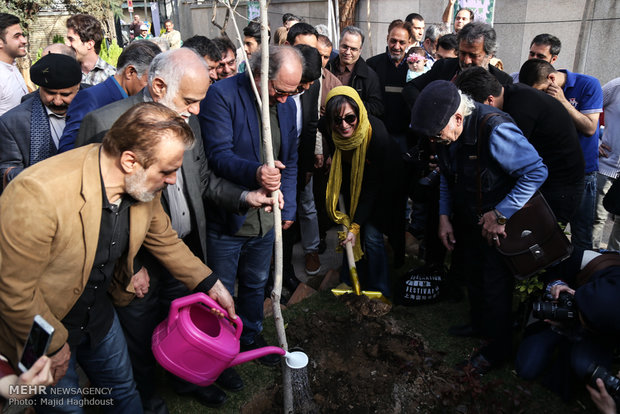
{"x":365,"y":361}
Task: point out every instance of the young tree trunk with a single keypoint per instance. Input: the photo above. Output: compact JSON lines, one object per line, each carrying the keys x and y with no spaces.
{"x":347,"y":12}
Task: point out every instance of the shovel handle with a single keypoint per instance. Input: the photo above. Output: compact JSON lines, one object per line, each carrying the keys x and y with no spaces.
{"x":353,"y":270}
{"x":350,"y":257}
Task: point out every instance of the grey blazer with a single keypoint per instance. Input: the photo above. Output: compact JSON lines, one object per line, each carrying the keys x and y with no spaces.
{"x":200,"y":182}
{"x":15,"y":141}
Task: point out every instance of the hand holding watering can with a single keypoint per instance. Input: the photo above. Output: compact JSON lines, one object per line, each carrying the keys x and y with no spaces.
{"x":196,"y":345}
{"x":221,"y":295}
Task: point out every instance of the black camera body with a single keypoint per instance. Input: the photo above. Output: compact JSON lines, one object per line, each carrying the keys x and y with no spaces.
{"x":612,"y":383}
{"x":564,"y":310}
{"x":431,"y":180}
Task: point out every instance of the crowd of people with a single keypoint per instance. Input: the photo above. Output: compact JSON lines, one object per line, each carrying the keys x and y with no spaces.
{"x":124,"y":188}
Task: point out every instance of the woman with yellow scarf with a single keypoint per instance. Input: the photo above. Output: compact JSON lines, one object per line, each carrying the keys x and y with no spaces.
{"x":360,"y":151}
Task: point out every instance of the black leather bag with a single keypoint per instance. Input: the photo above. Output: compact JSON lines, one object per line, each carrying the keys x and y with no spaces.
{"x":534,"y":240}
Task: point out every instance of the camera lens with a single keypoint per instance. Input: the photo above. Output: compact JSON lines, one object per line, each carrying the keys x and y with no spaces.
{"x":612,"y":383}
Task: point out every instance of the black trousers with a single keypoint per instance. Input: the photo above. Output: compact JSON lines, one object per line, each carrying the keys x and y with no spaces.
{"x":140,"y":318}
{"x":490,"y":285}
{"x":564,"y":199}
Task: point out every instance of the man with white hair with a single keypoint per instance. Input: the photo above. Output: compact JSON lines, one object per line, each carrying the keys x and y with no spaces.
{"x":178,"y":79}
{"x":482,"y":185}
{"x":131,"y":76}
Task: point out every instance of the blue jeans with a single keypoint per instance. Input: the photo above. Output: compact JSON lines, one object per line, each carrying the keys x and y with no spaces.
{"x":108,"y":367}
{"x":247,"y":260}
{"x":308,"y":220}
{"x":536,"y":355}
{"x":373,"y":268}
{"x":582,"y":223}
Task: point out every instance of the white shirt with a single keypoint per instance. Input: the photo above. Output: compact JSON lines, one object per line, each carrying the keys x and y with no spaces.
{"x":299,"y":118}
{"x":57,"y":125}
{"x":12,"y":87}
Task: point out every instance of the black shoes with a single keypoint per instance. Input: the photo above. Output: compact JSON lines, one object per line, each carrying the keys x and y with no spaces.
{"x":230,"y":380}
{"x":210,"y":396}
{"x":270,"y":360}
{"x":466,"y":330}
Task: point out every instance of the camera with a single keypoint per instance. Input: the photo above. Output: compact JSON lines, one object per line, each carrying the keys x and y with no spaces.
{"x":432,"y":179}
{"x":564,"y":310}
{"x":612,"y":383}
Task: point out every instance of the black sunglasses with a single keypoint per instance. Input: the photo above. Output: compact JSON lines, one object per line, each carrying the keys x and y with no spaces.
{"x":349,"y":119}
{"x":285,"y":93}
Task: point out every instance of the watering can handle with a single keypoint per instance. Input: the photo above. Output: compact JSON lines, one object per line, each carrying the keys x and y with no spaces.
{"x":203,"y":298}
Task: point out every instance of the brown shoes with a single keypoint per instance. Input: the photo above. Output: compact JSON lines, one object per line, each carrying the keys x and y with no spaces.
{"x":313,"y":264}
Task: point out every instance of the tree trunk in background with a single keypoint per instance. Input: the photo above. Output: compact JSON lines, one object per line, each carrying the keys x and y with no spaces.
{"x":347,"y":12}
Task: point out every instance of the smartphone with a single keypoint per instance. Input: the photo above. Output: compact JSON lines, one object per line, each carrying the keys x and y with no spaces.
{"x":38,"y":341}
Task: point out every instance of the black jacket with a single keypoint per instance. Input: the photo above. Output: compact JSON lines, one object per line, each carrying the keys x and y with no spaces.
{"x":366,"y":82}
{"x":307,"y":138}
{"x":444,"y":69}
{"x":392,"y":80}
{"x":382,"y":199}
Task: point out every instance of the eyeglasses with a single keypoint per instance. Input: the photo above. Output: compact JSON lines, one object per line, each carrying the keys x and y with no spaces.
{"x":438,"y":139}
{"x":352,"y":49}
{"x":349,"y":119}
{"x":286,"y":93}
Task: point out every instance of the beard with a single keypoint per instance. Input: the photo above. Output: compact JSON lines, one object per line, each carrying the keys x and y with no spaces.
{"x":167,"y":101}
{"x":135,"y":186}
{"x":395,"y":57}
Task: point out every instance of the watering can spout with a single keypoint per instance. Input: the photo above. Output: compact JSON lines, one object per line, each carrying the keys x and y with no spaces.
{"x":256,"y":353}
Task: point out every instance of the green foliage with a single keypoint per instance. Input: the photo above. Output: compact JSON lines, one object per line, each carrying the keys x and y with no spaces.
{"x":24,"y":9}
{"x":110,"y":54}
{"x":528,"y":288}
{"x":98,"y":8}
{"x":28,"y":10}
{"x":39,"y":53}
{"x":58,"y":38}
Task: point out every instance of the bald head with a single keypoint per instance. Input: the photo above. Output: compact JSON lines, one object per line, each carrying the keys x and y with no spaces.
{"x":59,"y":49}
{"x":285,"y":69}
{"x":179,"y":79}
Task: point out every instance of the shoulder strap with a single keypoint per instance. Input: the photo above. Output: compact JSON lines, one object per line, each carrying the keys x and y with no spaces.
{"x":598,"y":263}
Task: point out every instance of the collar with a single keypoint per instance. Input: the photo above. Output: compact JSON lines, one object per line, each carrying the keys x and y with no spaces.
{"x":100,"y":64}
{"x":125,"y":199}
{"x":346,"y":67}
{"x":571,"y":78}
{"x":120,"y":88}
{"x":146,"y":95}
{"x":9,"y":65}
{"x":55,"y":115}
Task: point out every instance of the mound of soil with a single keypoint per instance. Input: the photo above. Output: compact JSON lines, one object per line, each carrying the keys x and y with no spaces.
{"x":365,"y":361}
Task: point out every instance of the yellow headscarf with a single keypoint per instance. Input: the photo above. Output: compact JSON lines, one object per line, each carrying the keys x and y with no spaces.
{"x":358,"y":143}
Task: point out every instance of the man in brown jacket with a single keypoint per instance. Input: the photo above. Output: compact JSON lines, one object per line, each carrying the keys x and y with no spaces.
{"x":70,"y":228}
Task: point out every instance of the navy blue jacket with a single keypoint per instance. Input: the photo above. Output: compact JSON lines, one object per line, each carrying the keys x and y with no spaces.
{"x":85,"y":101}
{"x":231,"y":132}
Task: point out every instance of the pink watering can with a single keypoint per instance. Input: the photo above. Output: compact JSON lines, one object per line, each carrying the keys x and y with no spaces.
{"x":196,"y":345}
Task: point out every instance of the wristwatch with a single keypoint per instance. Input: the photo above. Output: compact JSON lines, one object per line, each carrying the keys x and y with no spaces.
{"x":501,"y":219}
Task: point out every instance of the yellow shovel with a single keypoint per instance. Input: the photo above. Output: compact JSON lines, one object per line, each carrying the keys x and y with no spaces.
{"x":343,"y":288}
